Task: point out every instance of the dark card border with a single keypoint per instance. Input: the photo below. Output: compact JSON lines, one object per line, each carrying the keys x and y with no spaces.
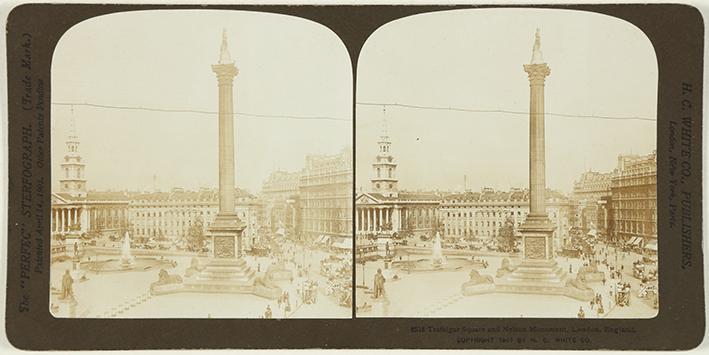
{"x":677,"y":34}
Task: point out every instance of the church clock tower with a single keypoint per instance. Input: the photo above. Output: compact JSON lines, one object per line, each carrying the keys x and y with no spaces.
{"x":384,"y":179}
{"x":71,"y":176}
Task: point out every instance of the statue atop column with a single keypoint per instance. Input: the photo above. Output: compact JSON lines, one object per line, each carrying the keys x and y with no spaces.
{"x":224,"y":56}
{"x":537,"y":56}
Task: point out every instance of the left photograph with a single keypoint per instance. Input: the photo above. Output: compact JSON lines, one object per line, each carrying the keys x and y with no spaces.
{"x":201,"y":168}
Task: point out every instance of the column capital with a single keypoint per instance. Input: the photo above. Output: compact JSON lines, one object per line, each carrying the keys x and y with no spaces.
{"x":225,"y":73}
{"x":537,"y":73}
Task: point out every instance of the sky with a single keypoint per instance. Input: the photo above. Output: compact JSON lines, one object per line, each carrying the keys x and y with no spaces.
{"x":473,"y":59}
{"x":162,"y":59}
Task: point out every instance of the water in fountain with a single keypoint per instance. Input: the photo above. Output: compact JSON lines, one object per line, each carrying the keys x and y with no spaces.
{"x":437,"y":254}
{"x":127,"y":259}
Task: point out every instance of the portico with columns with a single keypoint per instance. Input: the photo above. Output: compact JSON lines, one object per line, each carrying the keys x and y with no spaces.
{"x":87,"y":215}
{"x":379,"y":214}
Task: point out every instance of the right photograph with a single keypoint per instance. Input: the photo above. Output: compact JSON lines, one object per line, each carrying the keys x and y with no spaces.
{"x":506,"y":167}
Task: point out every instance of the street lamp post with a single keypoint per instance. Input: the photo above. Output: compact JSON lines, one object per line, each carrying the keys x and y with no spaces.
{"x":361,"y":260}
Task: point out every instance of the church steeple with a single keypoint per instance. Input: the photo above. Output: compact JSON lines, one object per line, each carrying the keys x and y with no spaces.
{"x":71,"y":176}
{"x":384,"y":179}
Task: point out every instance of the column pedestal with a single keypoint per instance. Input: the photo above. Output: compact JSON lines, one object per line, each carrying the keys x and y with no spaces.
{"x":538,"y":272}
{"x":226,"y":271}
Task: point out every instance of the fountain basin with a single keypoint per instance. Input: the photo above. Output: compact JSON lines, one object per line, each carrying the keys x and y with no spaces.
{"x":428,"y":265}
{"x":118,"y":265}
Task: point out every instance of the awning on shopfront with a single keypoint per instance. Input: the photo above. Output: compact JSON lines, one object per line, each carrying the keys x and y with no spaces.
{"x":323,"y":239}
{"x":651,"y":246}
{"x":344,"y":243}
{"x":634,"y":241}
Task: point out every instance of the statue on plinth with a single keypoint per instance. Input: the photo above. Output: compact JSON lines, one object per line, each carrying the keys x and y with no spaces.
{"x":379,"y":284}
{"x":67,"y":287}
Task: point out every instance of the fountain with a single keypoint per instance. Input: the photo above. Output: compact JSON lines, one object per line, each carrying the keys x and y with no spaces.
{"x":436,"y":261}
{"x":437,"y":254}
{"x":127,"y":260}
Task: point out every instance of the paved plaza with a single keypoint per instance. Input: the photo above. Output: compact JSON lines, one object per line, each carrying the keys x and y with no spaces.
{"x":126,"y":294}
{"x":438,"y":293}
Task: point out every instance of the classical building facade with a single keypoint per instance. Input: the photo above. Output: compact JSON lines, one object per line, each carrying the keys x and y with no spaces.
{"x":325,"y":193}
{"x":413,"y":213}
{"x":74,"y":208}
{"x":97,"y":213}
{"x":634,"y":199}
{"x":171,"y":214}
{"x":386,"y":210}
{"x":482,"y":214}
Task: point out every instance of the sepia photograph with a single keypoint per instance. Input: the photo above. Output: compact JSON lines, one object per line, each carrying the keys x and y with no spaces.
{"x":506,"y":167}
{"x":202,"y":167}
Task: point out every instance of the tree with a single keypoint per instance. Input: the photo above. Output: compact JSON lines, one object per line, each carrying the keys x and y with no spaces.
{"x":195,"y":234}
{"x":161,"y":235}
{"x":506,"y":235}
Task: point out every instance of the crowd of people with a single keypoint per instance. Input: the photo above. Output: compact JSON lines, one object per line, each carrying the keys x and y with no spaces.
{"x":611,"y":261}
{"x":338,"y":271}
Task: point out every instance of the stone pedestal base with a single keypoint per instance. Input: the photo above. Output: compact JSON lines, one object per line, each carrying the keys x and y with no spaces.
{"x":232,"y":271}
{"x":222,"y":276}
{"x":541,"y":277}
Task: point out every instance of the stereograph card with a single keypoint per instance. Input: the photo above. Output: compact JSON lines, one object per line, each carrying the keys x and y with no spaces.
{"x":423,"y":177}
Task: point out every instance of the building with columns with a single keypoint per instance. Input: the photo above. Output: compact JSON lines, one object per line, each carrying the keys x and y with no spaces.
{"x":74,"y":208}
{"x":386,"y":210}
{"x":411,"y":213}
{"x":98,"y":213}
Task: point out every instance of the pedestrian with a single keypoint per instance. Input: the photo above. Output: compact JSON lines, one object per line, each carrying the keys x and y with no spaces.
{"x":581,"y":313}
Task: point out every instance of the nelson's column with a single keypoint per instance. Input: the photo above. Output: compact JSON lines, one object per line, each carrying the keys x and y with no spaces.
{"x":227,"y":228}
{"x":538,"y":271}
{"x":226,"y":270}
